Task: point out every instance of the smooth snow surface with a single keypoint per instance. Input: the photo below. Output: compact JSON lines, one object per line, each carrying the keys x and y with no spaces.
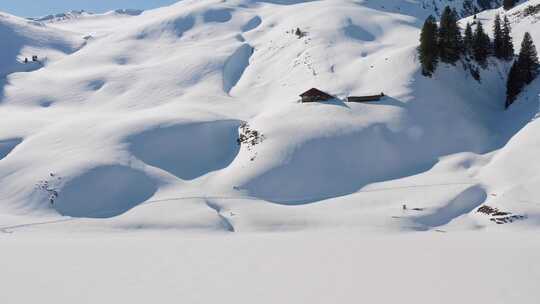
{"x":104,"y":192}
{"x":180,"y":162}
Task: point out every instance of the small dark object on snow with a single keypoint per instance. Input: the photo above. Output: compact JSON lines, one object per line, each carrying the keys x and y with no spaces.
{"x":299,"y":33}
{"x":25,"y":59}
{"x":34,"y":58}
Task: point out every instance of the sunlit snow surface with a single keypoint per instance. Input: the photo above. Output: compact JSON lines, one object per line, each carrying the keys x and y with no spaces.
{"x":129,"y":124}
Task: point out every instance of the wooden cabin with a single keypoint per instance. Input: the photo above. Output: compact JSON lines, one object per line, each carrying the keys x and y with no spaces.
{"x":315,"y":95}
{"x":368,"y":98}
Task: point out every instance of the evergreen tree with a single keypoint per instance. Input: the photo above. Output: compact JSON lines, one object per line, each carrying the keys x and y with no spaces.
{"x":481,"y":45}
{"x":428,"y":50}
{"x":513,"y":85}
{"x":498,"y":38}
{"x":450,"y":40}
{"x":528,"y":59}
{"x":508,"y":4}
{"x":524,"y":70}
{"x":507,"y":41}
{"x":468,"y":39}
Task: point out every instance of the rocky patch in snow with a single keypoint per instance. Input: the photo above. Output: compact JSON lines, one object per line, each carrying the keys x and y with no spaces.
{"x":499,"y":217}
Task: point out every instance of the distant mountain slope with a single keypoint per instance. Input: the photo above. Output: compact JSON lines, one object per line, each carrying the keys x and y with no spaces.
{"x":62,"y":17}
{"x":22,"y":39}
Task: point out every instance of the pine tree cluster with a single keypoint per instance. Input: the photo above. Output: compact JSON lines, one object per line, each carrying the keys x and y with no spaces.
{"x":524,"y":70}
{"x":444,"y":42}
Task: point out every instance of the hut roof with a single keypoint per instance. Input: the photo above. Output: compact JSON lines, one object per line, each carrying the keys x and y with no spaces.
{"x":313,"y":92}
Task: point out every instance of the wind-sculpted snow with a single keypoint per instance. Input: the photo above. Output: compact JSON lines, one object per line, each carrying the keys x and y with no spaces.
{"x":356,"y":32}
{"x":104,"y":191}
{"x":235,"y":66}
{"x":176,"y":27}
{"x":317,"y":169}
{"x":95,"y":85}
{"x":188,"y":150}
{"x":7,"y":145}
{"x":252,"y":24}
{"x":465,"y":202}
{"x":217,"y":15}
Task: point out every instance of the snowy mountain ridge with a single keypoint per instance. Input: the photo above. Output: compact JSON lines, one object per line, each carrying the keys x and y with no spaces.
{"x":60,"y":17}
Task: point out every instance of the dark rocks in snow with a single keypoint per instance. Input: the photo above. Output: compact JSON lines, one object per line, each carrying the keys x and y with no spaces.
{"x":531,"y":10}
{"x":499,"y":217}
{"x":249,"y":137}
{"x":49,"y":187}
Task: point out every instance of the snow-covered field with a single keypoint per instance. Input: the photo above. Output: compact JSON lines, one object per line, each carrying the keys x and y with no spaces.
{"x":129,"y":124}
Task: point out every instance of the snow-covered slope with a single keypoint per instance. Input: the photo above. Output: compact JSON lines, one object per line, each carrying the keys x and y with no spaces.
{"x":22,"y":38}
{"x":512,"y":172}
{"x":120,"y":149}
{"x":158,"y":99}
{"x":435,"y":7}
{"x":94,"y":25}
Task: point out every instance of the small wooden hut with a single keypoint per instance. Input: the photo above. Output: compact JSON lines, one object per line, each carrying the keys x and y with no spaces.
{"x":367,"y":98}
{"x":315,"y":95}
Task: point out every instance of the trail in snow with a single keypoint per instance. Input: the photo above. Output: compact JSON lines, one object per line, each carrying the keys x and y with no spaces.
{"x":226,"y":221}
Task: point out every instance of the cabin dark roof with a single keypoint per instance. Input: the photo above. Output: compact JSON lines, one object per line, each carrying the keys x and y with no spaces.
{"x":313,"y":92}
{"x":367,"y":98}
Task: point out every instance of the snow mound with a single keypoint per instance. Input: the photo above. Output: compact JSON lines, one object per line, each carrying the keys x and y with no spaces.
{"x":104,"y":191}
{"x":465,"y":202}
{"x":188,"y":151}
